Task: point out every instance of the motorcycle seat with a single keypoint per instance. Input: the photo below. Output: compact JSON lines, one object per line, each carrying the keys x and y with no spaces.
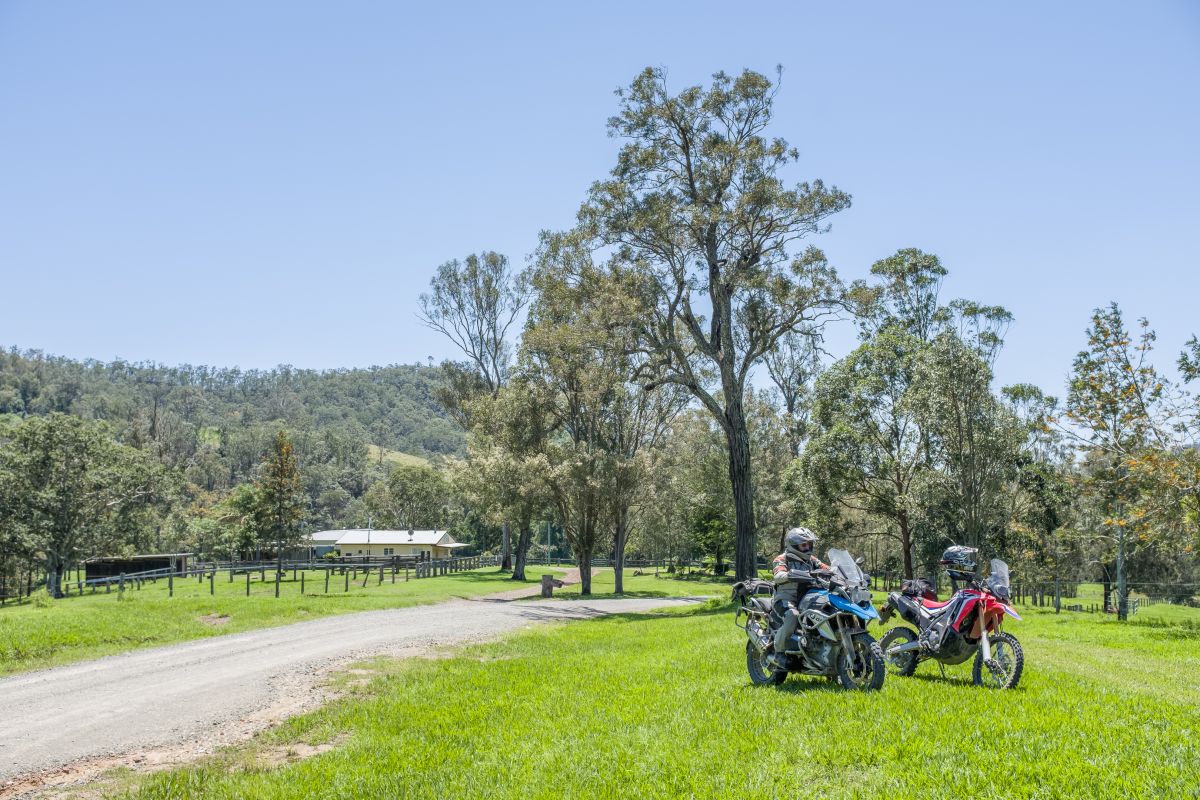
{"x":932,"y":605}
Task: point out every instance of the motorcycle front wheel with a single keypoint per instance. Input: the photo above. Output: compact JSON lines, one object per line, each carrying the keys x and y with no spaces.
{"x":862,"y":668}
{"x":903,"y":664}
{"x":761,"y":673}
{"x":1003,"y":671}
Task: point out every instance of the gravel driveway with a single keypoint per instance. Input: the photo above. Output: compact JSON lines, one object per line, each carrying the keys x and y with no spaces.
{"x":207,"y":692}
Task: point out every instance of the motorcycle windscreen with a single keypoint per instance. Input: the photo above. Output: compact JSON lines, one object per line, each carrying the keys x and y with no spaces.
{"x":997,"y":583}
{"x":842,"y":604}
{"x":842,"y":561}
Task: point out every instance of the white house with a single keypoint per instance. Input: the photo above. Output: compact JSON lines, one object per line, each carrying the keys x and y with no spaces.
{"x":382,"y":543}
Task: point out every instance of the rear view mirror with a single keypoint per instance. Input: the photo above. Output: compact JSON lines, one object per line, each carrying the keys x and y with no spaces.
{"x":860,"y":560}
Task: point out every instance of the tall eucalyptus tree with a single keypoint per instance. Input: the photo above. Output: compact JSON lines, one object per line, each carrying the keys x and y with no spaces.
{"x":698,"y":203}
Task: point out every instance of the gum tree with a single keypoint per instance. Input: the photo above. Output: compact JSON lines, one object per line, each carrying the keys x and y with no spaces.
{"x":67,"y":490}
{"x":475,"y":303}
{"x":699,"y":205}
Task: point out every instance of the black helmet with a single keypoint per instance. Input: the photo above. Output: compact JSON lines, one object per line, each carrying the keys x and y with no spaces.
{"x":799,"y":542}
{"x":959,"y":562}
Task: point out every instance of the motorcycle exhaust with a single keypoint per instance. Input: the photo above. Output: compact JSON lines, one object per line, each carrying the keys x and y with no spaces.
{"x":903,"y":648}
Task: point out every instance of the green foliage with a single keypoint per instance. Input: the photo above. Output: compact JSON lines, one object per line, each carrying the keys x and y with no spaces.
{"x":278,"y":498}
{"x":67,"y":490}
{"x":699,"y":209}
{"x":474,"y":304}
{"x":414,"y":497}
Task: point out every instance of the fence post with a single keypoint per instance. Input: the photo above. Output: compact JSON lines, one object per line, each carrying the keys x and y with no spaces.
{"x":171,"y":584}
{"x":347,"y":575}
{"x":247,"y":583}
{"x":277,"y":583}
{"x":380,"y":575}
{"x":302,"y":583}
{"x":326,"y":581}
{"x":212,"y":581}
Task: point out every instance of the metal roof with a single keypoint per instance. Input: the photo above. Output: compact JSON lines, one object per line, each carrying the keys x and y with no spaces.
{"x":362,"y":536}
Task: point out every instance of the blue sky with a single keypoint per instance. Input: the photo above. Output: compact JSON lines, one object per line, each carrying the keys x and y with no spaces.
{"x":258,"y":183}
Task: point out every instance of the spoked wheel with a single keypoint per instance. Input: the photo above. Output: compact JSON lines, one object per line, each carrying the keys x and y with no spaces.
{"x":761,"y":672}
{"x":861,"y":668}
{"x":1003,"y":670}
{"x":905,"y":663}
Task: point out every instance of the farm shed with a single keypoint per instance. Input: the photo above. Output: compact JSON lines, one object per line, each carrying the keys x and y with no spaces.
{"x":112,"y":566}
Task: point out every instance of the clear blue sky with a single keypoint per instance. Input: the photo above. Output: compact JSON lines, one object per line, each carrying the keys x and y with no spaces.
{"x":254,"y":183}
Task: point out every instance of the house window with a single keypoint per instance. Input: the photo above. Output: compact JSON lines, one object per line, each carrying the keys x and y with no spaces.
{"x":387,"y":551}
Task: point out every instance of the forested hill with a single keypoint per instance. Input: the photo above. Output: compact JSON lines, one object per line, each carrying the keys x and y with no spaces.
{"x":180,"y":409}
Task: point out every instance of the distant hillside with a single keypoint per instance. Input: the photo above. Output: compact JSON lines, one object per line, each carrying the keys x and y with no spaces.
{"x":392,"y":407}
{"x":212,"y":426}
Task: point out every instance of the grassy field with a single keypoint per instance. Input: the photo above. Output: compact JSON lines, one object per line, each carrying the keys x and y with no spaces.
{"x":382,"y":455}
{"x":660,"y":706}
{"x":47,"y":633}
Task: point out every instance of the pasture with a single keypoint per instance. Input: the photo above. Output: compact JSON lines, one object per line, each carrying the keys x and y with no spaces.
{"x":47,"y":633}
{"x":659,"y":706}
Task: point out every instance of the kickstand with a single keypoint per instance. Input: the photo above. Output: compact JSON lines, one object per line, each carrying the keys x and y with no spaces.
{"x":942,"y":667}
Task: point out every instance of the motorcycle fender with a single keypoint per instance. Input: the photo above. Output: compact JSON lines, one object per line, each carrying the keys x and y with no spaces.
{"x":868,"y":613}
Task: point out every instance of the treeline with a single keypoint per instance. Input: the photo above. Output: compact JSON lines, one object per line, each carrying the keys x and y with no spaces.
{"x":626,"y":410}
{"x":209,"y":430}
{"x":181,"y":411}
{"x":212,"y":426}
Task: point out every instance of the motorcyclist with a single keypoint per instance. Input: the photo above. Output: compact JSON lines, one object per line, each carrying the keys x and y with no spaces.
{"x":790,"y":570}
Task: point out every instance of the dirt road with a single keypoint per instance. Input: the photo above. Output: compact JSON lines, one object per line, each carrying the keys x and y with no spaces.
{"x":221,"y":689}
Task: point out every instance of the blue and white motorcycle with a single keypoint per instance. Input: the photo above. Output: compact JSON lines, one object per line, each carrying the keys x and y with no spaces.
{"x":831,"y":638}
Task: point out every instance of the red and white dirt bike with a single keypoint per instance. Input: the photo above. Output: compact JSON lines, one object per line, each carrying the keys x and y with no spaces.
{"x":951,"y":632}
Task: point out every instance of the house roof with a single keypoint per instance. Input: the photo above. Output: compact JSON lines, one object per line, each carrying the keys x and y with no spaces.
{"x":363,"y":536}
{"x":326,"y":537}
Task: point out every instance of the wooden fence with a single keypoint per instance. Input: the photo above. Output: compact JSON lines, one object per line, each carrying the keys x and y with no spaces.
{"x":361,"y":572}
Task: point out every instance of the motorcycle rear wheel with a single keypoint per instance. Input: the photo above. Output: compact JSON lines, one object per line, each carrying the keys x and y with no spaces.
{"x":761,"y":673}
{"x":863,"y":668}
{"x":902,"y":664}
{"x":1008,"y":660}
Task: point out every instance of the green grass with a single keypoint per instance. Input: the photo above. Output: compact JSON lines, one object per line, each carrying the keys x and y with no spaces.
{"x":660,"y":706}
{"x":36,"y":635}
{"x":382,"y":455}
{"x":649,"y":585}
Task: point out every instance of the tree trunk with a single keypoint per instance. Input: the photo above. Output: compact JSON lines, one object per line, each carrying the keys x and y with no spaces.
{"x":1106,"y":588}
{"x":54,"y":575}
{"x":1122,"y":591}
{"x":506,"y":547}
{"x":745,"y":551}
{"x":585,"y":572}
{"x":523,"y":541}
{"x":906,"y":545}
{"x":620,"y":535}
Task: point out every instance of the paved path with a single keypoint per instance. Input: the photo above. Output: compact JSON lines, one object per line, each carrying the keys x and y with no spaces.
{"x":191,"y":692}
